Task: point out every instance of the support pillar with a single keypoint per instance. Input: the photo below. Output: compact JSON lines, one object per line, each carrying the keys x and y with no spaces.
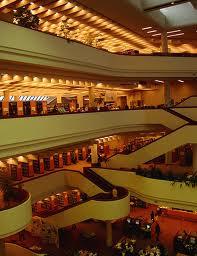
{"x":164,"y":42}
{"x":59,"y":99}
{"x":194,"y":149}
{"x":91,"y":97}
{"x":168,"y":157}
{"x":80,"y":100}
{"x":2,"y":247}
{"x":167,"y":97}
{"x":94,"y":154}
{"x":6,"y":95}
{"x":109,"y":241}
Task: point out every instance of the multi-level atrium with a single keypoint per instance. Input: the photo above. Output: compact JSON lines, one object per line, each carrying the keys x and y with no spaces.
{"x":98,"y":149}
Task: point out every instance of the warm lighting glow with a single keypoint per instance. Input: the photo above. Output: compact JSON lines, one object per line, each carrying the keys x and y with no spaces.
{"x":146,"y":28}
{"x":180,"y":34}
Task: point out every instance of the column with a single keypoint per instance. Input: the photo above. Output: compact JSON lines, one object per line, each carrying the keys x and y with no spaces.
{"x":2,"y":247}
{"x":168,"y":157}
{"x":109,"y":241}
{"x":61,"y":160}
{"x":6,"y":95}
{"x":41,"y":163}
{"x":91,"y":97}
{"x":59,"y":99}
{"x":94,"y":154}
{"x":52,"y":165}
{"x":5,"y":103}
{"x":80,"y":100}
{"x":167,"y":98}
{"x":164,"y":42}
{"x":194,"y":149}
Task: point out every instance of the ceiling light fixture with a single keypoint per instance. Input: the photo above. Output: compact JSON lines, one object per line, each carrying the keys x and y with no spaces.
{"x":180,"y":34}
{"x":151,"y":31}
{"x":181,"y":81}
{"x":158,"y":34}
{"x":174,"y":31}
{"x":159,"y":81}
{"x":146,"y":28}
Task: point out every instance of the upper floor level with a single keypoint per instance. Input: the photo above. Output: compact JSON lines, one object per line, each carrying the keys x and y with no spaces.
{"x":33,"y":47}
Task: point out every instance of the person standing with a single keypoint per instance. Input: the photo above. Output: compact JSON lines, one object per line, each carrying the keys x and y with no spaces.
{"x":157,"y":231}
{"x":152,"y":216}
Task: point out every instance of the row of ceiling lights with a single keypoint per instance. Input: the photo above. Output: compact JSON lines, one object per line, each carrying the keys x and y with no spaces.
{"x":173,"y":33}
{"x":161,"y":81}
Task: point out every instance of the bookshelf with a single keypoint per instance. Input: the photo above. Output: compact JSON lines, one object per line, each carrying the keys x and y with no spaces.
{"x":56,"y":160}
{"x":47,"y":164}
{"x":36,"y":166}
{"x":25,"y":169}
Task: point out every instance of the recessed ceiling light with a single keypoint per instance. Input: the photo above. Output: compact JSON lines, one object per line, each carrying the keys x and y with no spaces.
{"x":180,"y":34}
{"x":173,"y":31}
{"x":159,"y":81}
{"x":158,"y":34}
{"x":151,"y":31}
{"x":146,"y":28}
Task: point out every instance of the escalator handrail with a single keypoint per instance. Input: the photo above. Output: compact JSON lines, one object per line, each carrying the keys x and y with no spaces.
{"x":105,"y":185}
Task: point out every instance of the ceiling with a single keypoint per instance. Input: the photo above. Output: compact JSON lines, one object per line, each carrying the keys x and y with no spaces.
{"x":159,"y":15}
{"x":113,"y":25}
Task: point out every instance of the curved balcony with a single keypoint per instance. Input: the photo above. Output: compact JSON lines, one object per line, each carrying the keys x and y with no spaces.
{"x":73,"y":128}
{"x":99,"y":192}
{"x":46,"y":50}
{"x":16,"y":217}
{"x":112,"y":209}
{"x":160,"y":192}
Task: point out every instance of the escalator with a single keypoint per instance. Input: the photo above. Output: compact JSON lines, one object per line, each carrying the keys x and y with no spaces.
{"x":98,"y":180}
{"x":181,"y":136}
